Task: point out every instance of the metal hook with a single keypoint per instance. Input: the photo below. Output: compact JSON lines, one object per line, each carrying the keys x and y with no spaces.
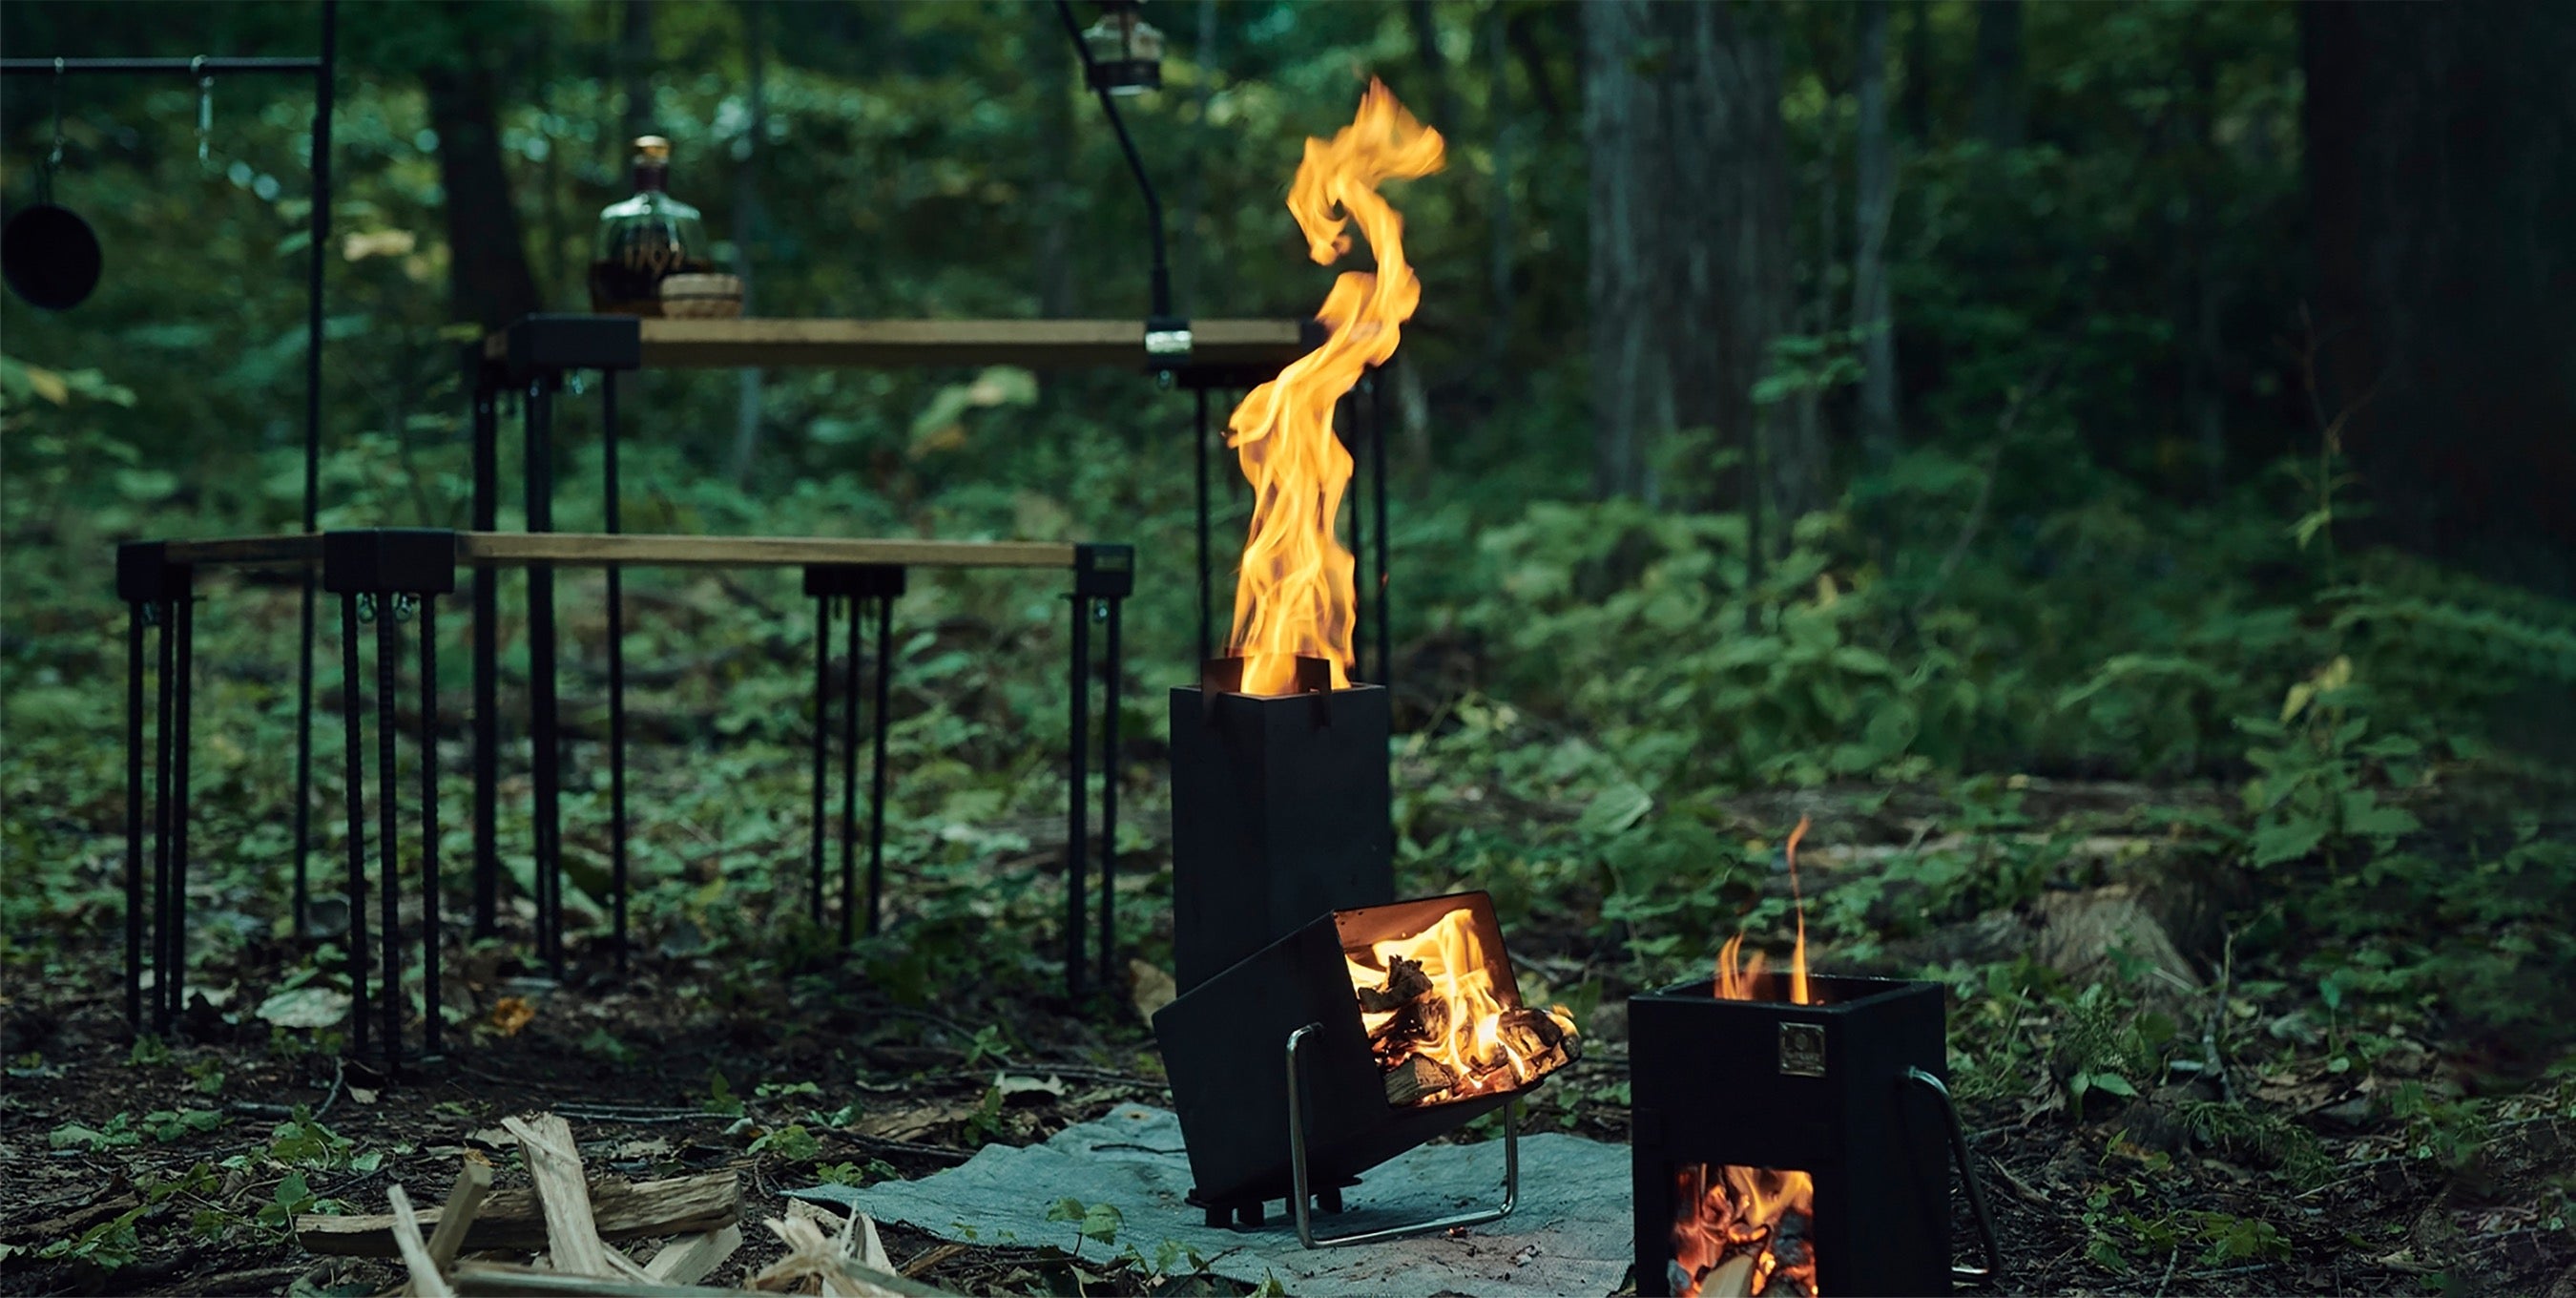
{"x":405,"y":605}
{"x":205,"y":103}
{"x":366,"y":608}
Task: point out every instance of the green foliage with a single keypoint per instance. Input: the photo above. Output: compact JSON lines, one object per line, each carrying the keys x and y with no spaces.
{"x":1098,"y":1221}
{"x":2320,"y":773}
{"x":791,"y":1143}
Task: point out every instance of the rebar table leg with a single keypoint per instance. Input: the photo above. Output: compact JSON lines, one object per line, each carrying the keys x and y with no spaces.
{"x":174,"y":977}
{"x":304,"y":747}
{"x":388,"y":839}
{"x":822,"y":750}
{"x":134,"y":618}
{"x":357,"y":793}
{"x":487,"y":697}
{"x":1109,"y":805}
{"x":164,"y":706}
{"x":877,"y":764}
{"x":616,"y":667}
{"x":850,"y":781}
{"x":429,"y":872}
{"x":546,"y":751}
{"x":1077,"y":799}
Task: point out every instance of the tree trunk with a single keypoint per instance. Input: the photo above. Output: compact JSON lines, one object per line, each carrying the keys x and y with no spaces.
{"x":1498,"y":217}
{"x":2438,"y":139}
{"x":1874,"y":192}
{"x":1999,"y":73}
{"x":1690,"y":244}
{"x":1915,"y":105}
{"x":1632,"y":390}
{"x":1056,"y":103}
{"x":488,"y":281}
{"x":1189,"y":261}
{"x":1435,"y":64}
{"x":635,"y":60}
{"x":746,"y":231}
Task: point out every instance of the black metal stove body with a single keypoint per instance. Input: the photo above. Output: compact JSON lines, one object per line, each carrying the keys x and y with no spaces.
{"x":1849,"y":1091}
{"x":1281,"y":811}
{"x":1223,"y":1045}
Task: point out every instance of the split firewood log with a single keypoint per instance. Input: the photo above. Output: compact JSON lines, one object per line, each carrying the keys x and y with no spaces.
{"x":1405,"y":984}
{"x":1416,"y":1079}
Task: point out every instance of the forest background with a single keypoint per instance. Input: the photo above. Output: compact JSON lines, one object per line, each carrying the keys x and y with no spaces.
{"x":1995,"y":430}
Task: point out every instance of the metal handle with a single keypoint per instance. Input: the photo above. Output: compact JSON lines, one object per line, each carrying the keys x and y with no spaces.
{"x":1968,"y":1176}
{"x":1301,"y":1194}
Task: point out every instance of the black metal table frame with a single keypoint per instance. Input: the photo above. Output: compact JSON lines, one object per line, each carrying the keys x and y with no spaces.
{"x":386,"y":575}
{"x":537,"y":357}
{"x":381,"y":576}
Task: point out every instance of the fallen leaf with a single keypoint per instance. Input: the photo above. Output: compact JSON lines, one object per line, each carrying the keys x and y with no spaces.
{"x":1013,"y":1084}
{"x":309,"y":1006}
{"x":511,"y":1013}
{"x":1152,"y":988}
{"x":362,"y":1095}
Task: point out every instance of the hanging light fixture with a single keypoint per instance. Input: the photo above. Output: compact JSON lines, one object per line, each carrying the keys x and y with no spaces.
{"x":1126,"y":52}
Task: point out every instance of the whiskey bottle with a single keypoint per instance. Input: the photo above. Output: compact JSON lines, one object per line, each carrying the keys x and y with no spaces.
{"x":645,"y":239}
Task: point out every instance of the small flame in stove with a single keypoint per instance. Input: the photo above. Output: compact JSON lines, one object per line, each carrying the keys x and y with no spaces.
{"x":1438,"y":1024}
{"x":1295,"y":595}
{"x":1737,"y":975}
{"x":1742,"y":1231}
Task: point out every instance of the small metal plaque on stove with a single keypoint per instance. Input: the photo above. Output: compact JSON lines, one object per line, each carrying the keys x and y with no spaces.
{"x":1802,"y":1049}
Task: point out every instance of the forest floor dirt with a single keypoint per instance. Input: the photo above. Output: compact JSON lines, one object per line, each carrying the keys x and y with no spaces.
{"x":2298,"y":1173}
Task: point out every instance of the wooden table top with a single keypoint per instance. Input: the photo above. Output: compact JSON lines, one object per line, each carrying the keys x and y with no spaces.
{"x":642,"y":550}
{"x":1036,"y":344}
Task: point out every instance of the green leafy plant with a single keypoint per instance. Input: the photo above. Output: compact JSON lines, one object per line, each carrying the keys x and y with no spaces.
{"x":1097,"y":1221}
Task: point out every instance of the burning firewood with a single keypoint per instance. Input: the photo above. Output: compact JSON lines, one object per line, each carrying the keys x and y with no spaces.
{"x":1405,"y":984}
{"x":1417,"y":1079}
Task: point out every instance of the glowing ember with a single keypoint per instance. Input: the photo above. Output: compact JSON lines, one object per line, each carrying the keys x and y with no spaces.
{"x":1439,"y":1026}
{"x":1737,"y":976}
{"x":1743,"y":1231}
{"x":1295,"y":595}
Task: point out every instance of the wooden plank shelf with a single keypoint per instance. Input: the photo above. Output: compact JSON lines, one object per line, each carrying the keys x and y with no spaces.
{"x":1250,"y":345}
{"x":644,"y":550}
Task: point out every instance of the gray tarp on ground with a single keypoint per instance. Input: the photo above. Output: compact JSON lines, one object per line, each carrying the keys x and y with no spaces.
{"x":1570,"y":1235}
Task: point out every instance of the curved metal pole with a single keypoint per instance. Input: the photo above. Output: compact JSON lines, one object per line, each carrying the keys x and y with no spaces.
{"x":1162,"y":286}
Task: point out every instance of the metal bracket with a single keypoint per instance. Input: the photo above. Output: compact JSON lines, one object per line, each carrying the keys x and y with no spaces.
{"x":1985,"y":1220}
{"x":1301,"y":1193}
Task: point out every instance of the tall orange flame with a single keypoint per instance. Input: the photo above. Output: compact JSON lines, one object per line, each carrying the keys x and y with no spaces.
{"x":1295,"y":596}
{"x":1737,"y":974}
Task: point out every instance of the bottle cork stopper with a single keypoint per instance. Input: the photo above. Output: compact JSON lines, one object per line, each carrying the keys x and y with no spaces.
{"x":654,"y":147}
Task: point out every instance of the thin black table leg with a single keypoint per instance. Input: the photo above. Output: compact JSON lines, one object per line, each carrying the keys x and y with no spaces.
{"x":1109,"y":806}
{"x":850,"y":781}
{"x":388,"y":838}
{"x":610,"y":512}
{"x":546,"y":754}
{"x":429,"y":873}
{"x":304,"y":764}
{"x":164,"y":706}
{"x":357,"y":794}
{"x":134,"y":817}
{"x":182,"y":624}
{"x":487,"y":690}
{"x":1207,"y":594}
{"x":1077,"y":799}
{"x":822,"y":749}
{"x":877,"y":765}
